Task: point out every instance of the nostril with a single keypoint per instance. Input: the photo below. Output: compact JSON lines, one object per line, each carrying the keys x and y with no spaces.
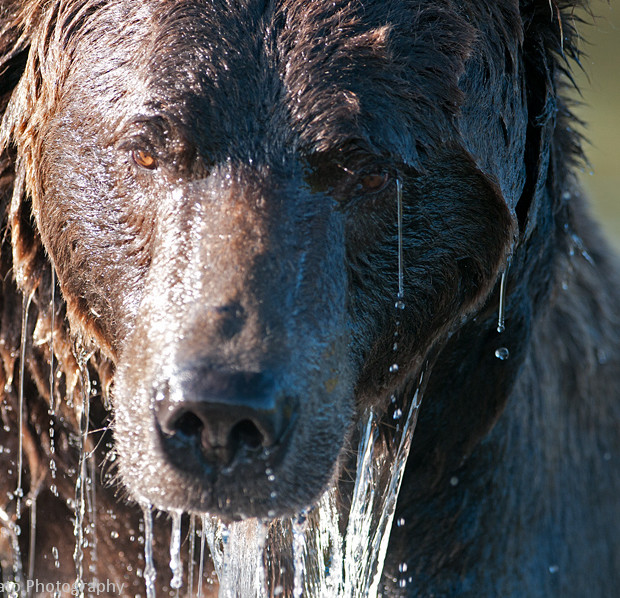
{"x":246,"y":433}
{"x":187,"y":424}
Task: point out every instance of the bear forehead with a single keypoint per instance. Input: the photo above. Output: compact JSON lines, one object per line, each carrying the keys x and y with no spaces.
{"x":320,"y":75}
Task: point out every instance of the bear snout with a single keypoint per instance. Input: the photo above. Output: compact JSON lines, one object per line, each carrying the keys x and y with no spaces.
{"x":230,"y":419}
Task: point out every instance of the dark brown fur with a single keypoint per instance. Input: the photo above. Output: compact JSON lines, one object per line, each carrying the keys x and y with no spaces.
{"x":250,"y":108}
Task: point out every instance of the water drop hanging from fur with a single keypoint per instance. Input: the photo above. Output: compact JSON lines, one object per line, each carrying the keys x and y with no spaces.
{"x":502,"y":302}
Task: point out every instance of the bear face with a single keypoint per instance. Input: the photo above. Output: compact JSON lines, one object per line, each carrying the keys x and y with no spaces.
{"x":218,"y":194}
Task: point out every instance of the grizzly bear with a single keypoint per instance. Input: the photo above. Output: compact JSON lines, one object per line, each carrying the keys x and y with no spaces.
{"x":231,"y":229}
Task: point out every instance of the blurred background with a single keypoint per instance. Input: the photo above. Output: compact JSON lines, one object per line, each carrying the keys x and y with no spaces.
{"x":600,"y":109}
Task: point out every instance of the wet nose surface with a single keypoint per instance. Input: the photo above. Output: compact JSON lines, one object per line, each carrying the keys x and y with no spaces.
{"x":228,"y":416}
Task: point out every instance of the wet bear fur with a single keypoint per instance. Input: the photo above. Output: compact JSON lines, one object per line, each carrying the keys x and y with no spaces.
{"x":267,"y":120}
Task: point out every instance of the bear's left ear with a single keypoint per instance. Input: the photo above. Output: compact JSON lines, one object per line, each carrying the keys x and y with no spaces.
{"x":476,"y":228}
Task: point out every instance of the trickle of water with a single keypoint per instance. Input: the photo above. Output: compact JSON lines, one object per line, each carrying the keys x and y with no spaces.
{"x":53,"y":406}
{"x":237,"y":552}
{"x":9,"y":527}
{"x":502,"y":353}
{"x":299,"y":547}
{"x":92,"y":510}
{"x":401,"y":285}
{"x":502,"y":302}
{"x":176,"y":565}
{"x":150,"y":574}
{"x":201,"y":565}
{"x":216,"y":534}
{"x":19,"y":492}
{"x":82,"y":474}
{"x":33,"y":537}
{"x":190,"y":560}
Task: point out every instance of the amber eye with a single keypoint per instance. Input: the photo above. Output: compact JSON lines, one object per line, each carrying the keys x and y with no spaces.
{"x":144,"y":159}
{"x":372,"y":183}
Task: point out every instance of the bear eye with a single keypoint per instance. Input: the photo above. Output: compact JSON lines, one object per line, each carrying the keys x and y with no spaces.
{"x":144,"y":159}
{"x":374,"y":182}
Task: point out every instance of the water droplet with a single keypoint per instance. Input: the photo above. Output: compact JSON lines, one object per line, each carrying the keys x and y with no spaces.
{"x":402,"y":567}
{"x":114,"y":534}
{"x":454,"y":481}
{"x":399,"y":304}
{"x":398,"y":413}
{"x":502,"y":353}
{"x":393,"y":368}
{"x":553,"y":569}
{"x":400,"y":522}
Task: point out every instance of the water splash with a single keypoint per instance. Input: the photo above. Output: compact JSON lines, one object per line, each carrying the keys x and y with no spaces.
{"x":176,"y":564}
{"x":150,"y":574}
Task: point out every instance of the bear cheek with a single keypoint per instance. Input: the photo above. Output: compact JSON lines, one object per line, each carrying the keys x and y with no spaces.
{"x":100,"y":280}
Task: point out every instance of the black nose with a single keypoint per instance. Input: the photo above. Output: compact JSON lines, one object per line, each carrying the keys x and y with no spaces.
{"x":226,"y":414}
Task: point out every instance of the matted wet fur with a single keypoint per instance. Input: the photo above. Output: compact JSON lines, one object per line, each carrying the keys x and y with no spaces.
{"x":214,"y":183}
